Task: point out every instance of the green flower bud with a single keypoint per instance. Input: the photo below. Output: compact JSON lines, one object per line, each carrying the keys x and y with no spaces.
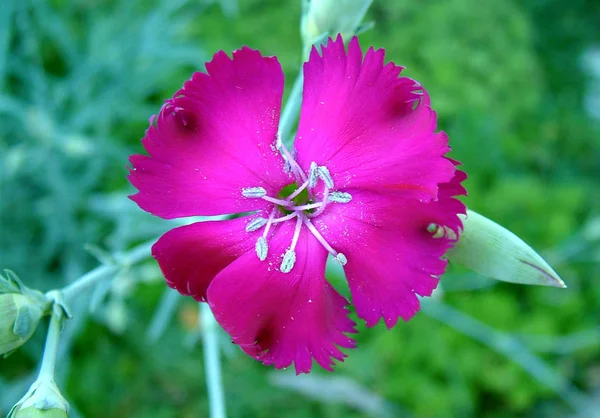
{"x":19,"y":318}
{"x":332,"y":17}
{"x":490,"y":249}
{"x":33,"y":412}
{"x":42,"y":400}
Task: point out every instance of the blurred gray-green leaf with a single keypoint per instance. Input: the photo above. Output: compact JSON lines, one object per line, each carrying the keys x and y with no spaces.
{"x":11,"y":283}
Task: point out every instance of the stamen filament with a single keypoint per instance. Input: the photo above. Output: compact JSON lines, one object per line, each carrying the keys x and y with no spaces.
{"x":298,"y":191}
{"x":279,"y":202}
{"x":296,"y":233}
{"x":324,"y":203}
{"x":269,"y":222}
{"x":293,"y":164}
{"x":284,"y":218}
{"x":289,"y":258}
{"x":307,"y":207}
{"x":318,"y":236}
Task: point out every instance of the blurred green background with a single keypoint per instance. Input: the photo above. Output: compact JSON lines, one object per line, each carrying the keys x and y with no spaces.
{"x":513,"y":84}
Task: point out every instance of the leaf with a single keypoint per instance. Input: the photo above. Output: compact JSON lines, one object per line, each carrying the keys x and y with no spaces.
{"x":494,"y":251}
{"x":10,"y":284}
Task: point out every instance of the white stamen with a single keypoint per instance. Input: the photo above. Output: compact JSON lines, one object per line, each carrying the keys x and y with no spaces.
{"x":295,"y":168}
{"x":284,"y":218}
{"x":340,"y":197}
{"x":296,"y":232}
{"x":313,"y":175}
{"x":255,"y":224}
{"x":324,"y":201}
{"x":297,"y":191}
{"x":289,"y":259}
{"x":436,"y":230}
{"x":325,"y":175}
{"x":318,"y":236}
{"x":279,"y":202}
{"x":262,"y":248}
{"x":254,"y":192}
{"x":307,"y":207}
{"x":340,"y":259}
{"x":287,"y":167}
{"x":287,"y":208}
{"x":269,"y":222}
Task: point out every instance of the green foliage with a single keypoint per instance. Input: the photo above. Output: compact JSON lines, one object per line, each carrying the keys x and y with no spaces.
{"x":79,"y":82}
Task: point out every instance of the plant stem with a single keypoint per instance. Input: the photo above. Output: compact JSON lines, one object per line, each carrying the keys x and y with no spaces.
{"x":212,"y":363}
{"x":100,"y":273}
{"x":163,"y":315}
{"x":291,"y":110}
{"x":51,"y":348}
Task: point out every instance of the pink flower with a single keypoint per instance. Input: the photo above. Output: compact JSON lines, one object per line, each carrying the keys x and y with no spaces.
{"x":367,"y":182}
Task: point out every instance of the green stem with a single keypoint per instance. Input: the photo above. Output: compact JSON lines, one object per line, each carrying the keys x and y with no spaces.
{"x":212,"y":362}
{"x":51,"y":348}
{"x":92,"y":278}
{"x":291,"y":110}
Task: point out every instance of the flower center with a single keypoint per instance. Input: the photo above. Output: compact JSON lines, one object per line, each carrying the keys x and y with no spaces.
{"x":297,"y":202}
{"x":298,"y":199}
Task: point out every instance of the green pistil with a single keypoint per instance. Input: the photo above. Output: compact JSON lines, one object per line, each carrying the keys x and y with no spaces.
{"x":301,"y":199}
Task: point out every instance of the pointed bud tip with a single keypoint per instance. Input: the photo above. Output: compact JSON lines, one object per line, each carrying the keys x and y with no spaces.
{"x":547,"y":276}
{"x":491,"y":250}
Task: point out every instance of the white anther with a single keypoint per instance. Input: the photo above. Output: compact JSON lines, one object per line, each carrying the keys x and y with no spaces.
{"x":340,"y":197}
{"x":340,"y":259}
{"x":313,"y":174}
{"x":289,"y":259}
{"x":254,"y":192}
{"x":288,"y":157}
{"x":436,"y":230}
{"x":262,"y":248}
{"x":255,"y":224}
{"x":325,"y":175}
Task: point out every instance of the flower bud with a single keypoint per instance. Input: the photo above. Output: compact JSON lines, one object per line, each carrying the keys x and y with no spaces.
{"x":42,"y":400}
{"x":19,"y":318}
{"x":490,"y":249}
{"x":332,"y":17}
{"x":33,"y":412}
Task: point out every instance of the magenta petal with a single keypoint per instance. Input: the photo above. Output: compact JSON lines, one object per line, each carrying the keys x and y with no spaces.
{"x":370,"y":128}
{"x":214,"y":138}
{"x":191,"y":256}
{"x":392,"y":257}
{"x":283,"y":318}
